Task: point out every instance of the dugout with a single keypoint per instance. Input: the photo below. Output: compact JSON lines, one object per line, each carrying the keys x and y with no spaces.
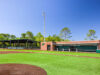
{"x":80,"y":46}
{"x":77,"y":47}
{"x":19,"y":44}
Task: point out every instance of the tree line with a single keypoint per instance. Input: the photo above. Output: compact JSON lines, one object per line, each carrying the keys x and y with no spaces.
{"x":65,"y":35}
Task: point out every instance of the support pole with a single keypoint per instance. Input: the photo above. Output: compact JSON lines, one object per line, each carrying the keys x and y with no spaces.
{"x":3,"y":44}
{"x":57,"y":49}
{"x":44,"y":25}
{"x":76,"y":50}
{"x":69,"y":49}
{"x":63,"y":49}
{"x":27,"y":44}
{"x":10,"y":44}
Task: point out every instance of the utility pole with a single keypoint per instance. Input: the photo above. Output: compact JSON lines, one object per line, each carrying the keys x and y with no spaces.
{"x":44,"y":25}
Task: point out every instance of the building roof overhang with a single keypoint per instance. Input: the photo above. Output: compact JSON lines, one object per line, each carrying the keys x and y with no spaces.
{"x":19,"y":41}
{"x":79,"y":42}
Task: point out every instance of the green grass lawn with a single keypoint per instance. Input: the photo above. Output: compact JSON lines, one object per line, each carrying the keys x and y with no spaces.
{"x":56,"y":64}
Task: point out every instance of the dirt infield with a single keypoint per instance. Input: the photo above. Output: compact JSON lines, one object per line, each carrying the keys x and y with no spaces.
{"x":10,"y":52}
{"x":21,"y":69}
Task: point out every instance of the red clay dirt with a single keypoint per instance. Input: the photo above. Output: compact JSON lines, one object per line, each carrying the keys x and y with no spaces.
{"x":10,"y":52}
{"x":21,"y":69}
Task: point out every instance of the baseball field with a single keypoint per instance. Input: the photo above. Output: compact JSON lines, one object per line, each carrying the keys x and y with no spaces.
{"x":55,"y":63}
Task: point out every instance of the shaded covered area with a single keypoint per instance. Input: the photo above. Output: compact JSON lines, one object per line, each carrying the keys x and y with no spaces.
{"x":19,"y":44}
{"x":77,"y":47}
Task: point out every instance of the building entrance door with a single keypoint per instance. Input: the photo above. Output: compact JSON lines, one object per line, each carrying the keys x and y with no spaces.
{"x":72,"y":48}
{"x":48,"y":47}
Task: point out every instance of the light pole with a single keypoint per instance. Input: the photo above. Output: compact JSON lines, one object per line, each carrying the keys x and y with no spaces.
{"x":44,"y":25}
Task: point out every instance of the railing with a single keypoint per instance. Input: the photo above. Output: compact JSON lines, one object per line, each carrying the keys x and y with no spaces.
{"x":77,"y":50}
{"x":16,"y":47}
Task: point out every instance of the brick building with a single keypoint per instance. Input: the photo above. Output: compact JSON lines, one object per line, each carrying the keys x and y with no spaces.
{"x":82,"y":46}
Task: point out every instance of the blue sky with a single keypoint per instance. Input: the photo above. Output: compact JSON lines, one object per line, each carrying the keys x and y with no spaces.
{"x":19,"y":16}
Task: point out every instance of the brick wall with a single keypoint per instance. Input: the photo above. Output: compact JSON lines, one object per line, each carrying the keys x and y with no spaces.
{"x":52,"y":44}
{"x":98,"y":47}
{"x":44,"y":46}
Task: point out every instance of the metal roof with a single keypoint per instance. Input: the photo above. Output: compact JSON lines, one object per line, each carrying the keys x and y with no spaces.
{"x":19,"y":41}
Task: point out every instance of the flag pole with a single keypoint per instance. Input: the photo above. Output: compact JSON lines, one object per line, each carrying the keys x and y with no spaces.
{"x":44,"y":25}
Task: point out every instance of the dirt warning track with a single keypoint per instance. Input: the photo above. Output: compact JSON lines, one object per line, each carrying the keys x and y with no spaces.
{"x":11,"y":52}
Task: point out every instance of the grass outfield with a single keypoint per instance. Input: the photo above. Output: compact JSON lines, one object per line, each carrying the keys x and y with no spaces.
{"x":56,"y":65}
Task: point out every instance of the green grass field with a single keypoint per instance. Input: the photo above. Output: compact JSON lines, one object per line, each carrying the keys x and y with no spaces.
{"x":56,"y":64}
